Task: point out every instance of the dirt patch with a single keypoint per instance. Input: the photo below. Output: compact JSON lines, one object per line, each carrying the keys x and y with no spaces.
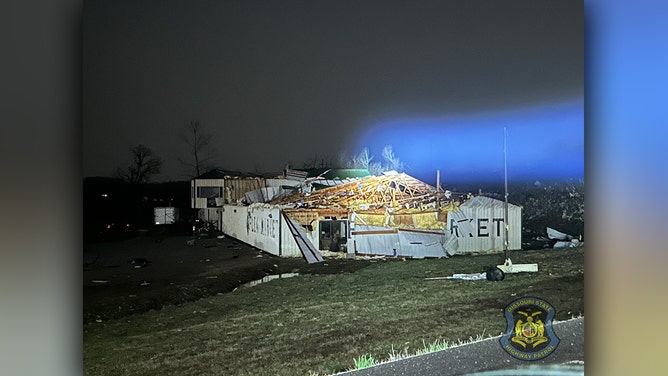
{"x":169,"y":271}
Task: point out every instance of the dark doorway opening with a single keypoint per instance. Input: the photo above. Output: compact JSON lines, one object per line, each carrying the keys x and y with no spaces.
{"x":333,"y":235}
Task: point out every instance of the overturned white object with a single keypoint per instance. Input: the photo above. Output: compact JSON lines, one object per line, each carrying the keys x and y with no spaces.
{"x":509,"y":267}
{"x":557,"y":235}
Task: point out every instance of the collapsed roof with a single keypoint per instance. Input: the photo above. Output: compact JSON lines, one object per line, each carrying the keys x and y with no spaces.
{"x":392,"y":190}
{"x":218,"y":173}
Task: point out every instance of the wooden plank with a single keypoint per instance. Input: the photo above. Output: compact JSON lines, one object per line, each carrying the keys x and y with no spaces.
{"x":374,"y":232}
{"x":421,"y":231}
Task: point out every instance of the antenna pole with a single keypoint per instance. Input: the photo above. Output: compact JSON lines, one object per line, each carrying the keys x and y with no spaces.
{"x":505,"y":214}
{"x":438,"y":189}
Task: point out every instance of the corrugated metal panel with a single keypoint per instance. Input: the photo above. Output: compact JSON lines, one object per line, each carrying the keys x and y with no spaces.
{"x":262,"y":194}
{"x":289,"y":246}
{"x":295,"y":174}
{"x":274,"y":182}
{"x":238,"y":188}
{"x":479,"y":225}
{"x":420,"y":244}
{"x":209,"y":182}
{"x":387,"y":241}
{"x":373,"y":240}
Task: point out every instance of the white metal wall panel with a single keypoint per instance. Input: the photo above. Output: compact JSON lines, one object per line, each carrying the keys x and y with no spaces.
{"x":376,"y":244}
{"x":255,"y":225}
{"x":386,"y":241}
{"x":199,"y":203}
{"x":478,"y":225}
{"x":421,"y":244}
{"x":289,"y":246}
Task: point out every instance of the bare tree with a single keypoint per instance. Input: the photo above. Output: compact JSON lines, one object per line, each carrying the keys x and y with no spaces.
{"x":144,"y":164}
{"x":363,"y":159}
{"x":317,"y":162}
{"x":391,"y":160}
{"x":200,"y":149}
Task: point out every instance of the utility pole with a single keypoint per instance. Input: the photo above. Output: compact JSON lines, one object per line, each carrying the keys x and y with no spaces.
{"x":508,"y":266}
{"x":505,"y":208}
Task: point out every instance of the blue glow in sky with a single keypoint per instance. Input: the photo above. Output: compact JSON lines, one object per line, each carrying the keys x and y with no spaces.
{"x":545,"y":142}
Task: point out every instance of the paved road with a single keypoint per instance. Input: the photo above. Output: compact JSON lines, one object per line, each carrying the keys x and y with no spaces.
{"x":488,"y":355}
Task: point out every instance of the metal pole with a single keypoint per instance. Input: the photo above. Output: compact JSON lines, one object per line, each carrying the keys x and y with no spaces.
{"x":505,"y":214}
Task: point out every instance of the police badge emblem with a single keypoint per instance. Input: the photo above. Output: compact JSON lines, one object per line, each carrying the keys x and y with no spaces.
{"x":529,"y":334}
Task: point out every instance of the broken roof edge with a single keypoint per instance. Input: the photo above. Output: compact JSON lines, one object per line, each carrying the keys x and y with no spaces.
{"x":218,"y":173}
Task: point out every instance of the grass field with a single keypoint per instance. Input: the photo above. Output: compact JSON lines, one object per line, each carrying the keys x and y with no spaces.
{"x":319,"y":324}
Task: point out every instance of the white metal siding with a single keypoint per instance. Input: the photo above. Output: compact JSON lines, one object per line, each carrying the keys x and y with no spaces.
{"x":165,"y":215}
{"x":257,"y":226}
{"x":289,"y":246}
{"x":197,"y":202}
{"x":485,"y":229}
{"x":239,"y":187}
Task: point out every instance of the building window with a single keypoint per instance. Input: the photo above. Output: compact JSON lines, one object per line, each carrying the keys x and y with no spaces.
{"x":210,"y":194}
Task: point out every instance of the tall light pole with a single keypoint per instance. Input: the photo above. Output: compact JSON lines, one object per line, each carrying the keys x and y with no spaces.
{"x":508,"y":266}
{"x":505,"y":207}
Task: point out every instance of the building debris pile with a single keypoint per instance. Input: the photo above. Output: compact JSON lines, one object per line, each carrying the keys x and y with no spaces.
{"x":396,"y":191}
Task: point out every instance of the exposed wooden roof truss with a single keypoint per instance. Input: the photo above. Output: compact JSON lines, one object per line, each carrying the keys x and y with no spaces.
{"x":400,"y":191}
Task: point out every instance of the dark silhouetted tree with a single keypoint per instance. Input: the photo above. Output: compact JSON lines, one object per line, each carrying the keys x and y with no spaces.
{"x":201,"y":151}
{"x":144,"y":165}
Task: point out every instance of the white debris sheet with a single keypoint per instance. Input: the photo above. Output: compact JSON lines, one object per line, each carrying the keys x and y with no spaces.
{"x":463,"y":276}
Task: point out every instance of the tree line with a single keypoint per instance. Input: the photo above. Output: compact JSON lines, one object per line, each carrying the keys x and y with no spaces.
{"x":201,"y":152}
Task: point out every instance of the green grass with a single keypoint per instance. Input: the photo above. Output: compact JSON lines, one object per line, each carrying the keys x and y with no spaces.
{"x":437,"y":345}
{"x":365,"y":361}
{"x":317,"y":324}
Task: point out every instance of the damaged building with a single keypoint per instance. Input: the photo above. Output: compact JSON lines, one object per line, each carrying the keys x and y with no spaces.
{"x":358,"y":214}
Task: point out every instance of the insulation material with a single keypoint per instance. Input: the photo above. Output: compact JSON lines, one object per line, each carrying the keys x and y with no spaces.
{"x":427,"y":221}
{"x":380,"y":220}
{"x":399,"y":191}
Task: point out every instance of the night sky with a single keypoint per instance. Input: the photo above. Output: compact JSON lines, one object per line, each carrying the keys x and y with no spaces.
{"x":280,"y":82}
